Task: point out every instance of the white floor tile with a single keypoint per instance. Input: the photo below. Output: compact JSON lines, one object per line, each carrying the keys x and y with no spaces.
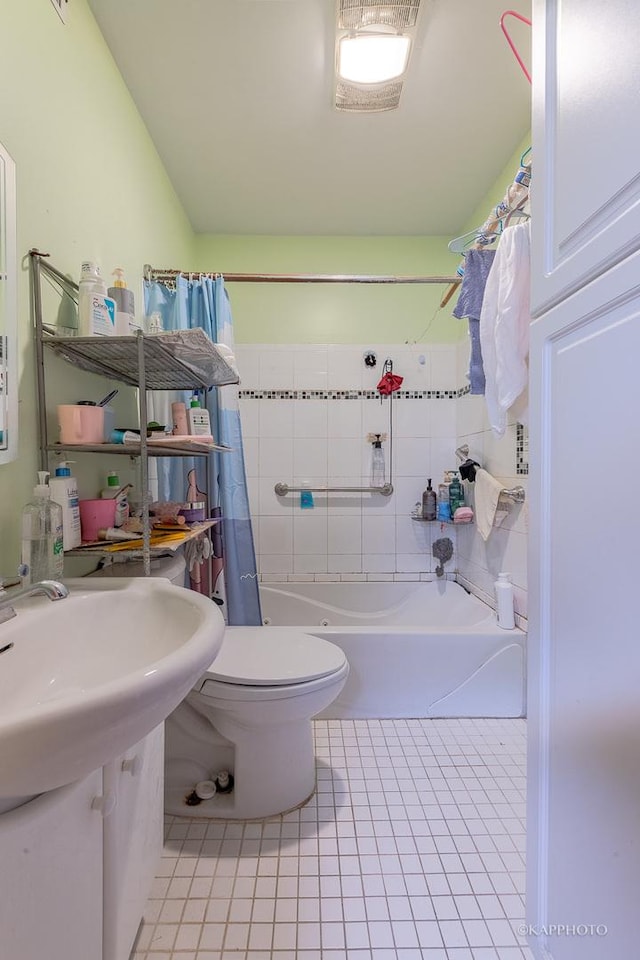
{"x":411,"y":849}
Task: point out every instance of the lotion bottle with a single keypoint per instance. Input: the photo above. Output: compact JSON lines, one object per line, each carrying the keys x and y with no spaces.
{"x":96,"y":311}
{"x":198,"y":419}
{"x":504,"y":601}
{"x":64,"y":490}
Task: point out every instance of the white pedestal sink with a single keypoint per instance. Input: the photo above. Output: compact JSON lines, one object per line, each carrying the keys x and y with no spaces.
{"x":91,"y":675}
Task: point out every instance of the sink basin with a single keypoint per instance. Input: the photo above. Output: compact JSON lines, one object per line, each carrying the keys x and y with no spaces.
{"x":91,"y":675}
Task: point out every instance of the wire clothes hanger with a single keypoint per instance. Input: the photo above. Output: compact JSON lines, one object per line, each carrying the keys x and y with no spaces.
{"x":511,"y":206}
{"x":514,"y":49}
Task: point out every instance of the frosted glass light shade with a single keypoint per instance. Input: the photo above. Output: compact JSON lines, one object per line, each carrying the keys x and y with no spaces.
{"x":372,"y":58}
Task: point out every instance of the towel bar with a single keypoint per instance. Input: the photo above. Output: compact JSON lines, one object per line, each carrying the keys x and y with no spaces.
{"x":517,"y":494}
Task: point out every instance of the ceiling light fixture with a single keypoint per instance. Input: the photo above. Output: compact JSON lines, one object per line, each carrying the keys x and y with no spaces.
{"x":372,"y":57}
{"x":373,"y":41}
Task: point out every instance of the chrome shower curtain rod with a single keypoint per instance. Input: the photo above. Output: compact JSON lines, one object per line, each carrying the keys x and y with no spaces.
{"x":153,"y":273}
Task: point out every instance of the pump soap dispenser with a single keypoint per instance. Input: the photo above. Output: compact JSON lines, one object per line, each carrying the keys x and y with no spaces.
{"x":42,"y":545}
{"x":377,"y":461}
{"x":125,"y":306}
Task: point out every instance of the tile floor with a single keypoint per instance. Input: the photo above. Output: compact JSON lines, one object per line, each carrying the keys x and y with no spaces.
{"x":411,"y":849}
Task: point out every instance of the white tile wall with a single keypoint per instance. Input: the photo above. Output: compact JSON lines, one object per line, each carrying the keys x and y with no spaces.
{"x":506,"y":549}
{"x":322,"y":441}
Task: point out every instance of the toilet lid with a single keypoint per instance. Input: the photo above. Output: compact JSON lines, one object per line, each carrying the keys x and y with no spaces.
{"x":266,"y":656}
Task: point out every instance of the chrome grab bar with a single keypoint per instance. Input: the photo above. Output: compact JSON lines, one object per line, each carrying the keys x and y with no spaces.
{"x":282,"y":489}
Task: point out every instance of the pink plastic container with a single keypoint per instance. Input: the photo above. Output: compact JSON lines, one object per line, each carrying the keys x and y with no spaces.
{"x":80,"y":424}
{"x":95,"y":514}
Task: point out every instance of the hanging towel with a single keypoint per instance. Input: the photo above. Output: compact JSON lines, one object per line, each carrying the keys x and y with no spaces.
{"x":477,"y":266}
{"x":487,"y":494}
{"x":504,"y":327}
{"x":476,"y":367}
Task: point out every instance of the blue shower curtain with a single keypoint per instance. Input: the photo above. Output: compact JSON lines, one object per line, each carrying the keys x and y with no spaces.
{"x":204,"y":303}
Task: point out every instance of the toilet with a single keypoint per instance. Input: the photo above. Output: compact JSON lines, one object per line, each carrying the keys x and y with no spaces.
{"x":171,"y":568}
{"x":250,"y":715}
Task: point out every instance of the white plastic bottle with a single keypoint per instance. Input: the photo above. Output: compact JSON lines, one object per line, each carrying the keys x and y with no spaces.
{"x":64,"y":490}
{"x":42,"y":546}
{"x":198,"y":419}
{"x":504,"y":601}
{"x":96,"y":311}
{"x":122,"y":502}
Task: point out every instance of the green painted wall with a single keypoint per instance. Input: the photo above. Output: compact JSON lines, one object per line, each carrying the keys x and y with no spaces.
{"x":333,"y":313}
{"x":498,"y":190}
{"x":343,"y":313}
{"x":90,"y":184}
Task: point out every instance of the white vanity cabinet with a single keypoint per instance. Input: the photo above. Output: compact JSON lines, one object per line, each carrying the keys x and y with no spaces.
{"x":51,"y":875}
{"x":132,"y":840}
{"x":77,"y":863}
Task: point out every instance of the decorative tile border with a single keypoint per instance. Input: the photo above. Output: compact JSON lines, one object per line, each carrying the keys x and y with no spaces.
{"x":351,"y":394}
{"x":522,"y":450}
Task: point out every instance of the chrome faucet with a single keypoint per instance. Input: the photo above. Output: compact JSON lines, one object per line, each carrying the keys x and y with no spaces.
{"x":52,"y":589}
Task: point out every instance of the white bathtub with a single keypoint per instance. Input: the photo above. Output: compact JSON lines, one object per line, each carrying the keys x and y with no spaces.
{"x":415,"y":649}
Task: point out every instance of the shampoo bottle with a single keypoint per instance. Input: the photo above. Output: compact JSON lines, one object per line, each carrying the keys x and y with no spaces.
{"x":456,"y":495}
{"x":444,"y":506}
{"x":429,"y":502}
{"x":504,"y":601}
{"x":64,"y":490}
{"x":42,"y":546}
{"x":125,"y":306}
{"x":96,"y":311}
{"x":377,"y":462}
{"x":122,"y":502}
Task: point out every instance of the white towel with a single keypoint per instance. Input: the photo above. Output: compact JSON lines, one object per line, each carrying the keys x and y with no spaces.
{"x":487,"y":494}
{"x":504,"y":327}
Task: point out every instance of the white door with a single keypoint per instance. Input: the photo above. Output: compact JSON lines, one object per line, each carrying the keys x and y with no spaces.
{"x":586,"y":189}
{"x":583,"y":856}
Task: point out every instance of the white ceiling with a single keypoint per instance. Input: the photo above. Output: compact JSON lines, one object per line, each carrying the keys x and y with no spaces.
{"x":238,"y":97}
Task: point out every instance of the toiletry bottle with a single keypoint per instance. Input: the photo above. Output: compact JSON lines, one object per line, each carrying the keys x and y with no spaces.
{"x":154,"y":324}
{"x":125,"y":306}
{"x":504,"y":601}
{"x":429,"y":502}
{"x":42,"y":546}
{"x":122,"y":502}
{"x":444,"y":507}
{"x":198,"y":419}
{"x":96,"y":311}
{"x":179,"y":417}
{"x":377,"y":462}
{"x":456,"y":495}
{"x":64,"y":490}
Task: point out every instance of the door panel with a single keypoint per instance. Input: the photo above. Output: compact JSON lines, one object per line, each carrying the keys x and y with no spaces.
{"x":584,"y":667}
{"x":586,"y":188}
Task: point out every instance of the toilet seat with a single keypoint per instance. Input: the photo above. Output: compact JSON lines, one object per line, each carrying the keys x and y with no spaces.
{"x":263,"y":663}
{"x":267,"y":657}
